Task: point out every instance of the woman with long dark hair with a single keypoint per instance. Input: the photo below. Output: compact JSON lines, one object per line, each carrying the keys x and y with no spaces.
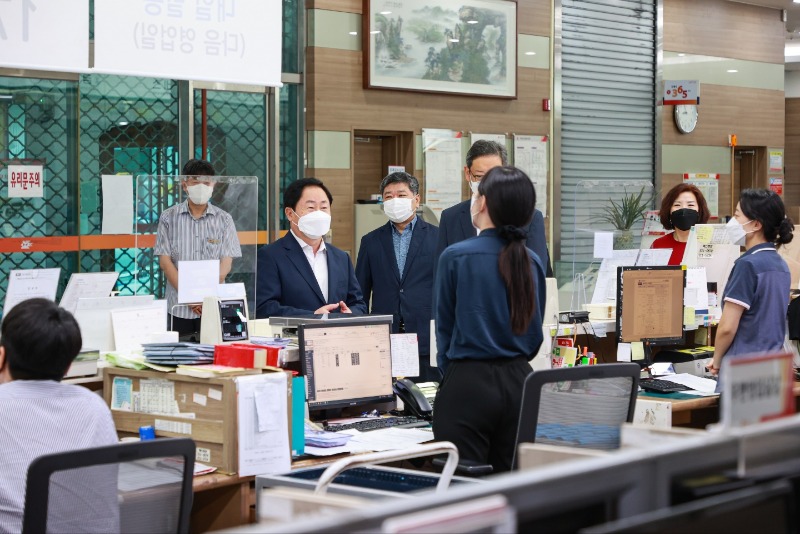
{"x":756,"y":297}
{"x":490,"y":297}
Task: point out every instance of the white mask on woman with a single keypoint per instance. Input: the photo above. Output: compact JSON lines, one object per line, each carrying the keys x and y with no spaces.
{"x":199,"y":193}
{"x":315,"y":224}
{"x":399,"y":209}
{"x":736,"y":232}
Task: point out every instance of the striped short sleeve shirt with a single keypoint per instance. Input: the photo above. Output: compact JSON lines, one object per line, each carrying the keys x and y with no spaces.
{"x":180,"y":236}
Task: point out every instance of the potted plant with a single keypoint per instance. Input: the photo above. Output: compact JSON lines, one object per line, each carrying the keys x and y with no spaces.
{"x":623,"y":214}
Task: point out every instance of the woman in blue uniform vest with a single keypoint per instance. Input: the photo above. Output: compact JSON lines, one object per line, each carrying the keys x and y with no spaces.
{"x":756,"y":297}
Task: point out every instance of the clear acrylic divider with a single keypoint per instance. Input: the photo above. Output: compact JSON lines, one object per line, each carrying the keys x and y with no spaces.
{"x":602,"y":206}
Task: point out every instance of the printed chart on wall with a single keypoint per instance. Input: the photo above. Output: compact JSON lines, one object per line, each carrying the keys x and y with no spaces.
{"x":442,"y":149}
{"x":530,"y":155}
{"x":708,"y":184}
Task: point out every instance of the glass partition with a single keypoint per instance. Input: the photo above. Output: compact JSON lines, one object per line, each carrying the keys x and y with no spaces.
{"x":617,"y":206}
{"x":235,"y":195}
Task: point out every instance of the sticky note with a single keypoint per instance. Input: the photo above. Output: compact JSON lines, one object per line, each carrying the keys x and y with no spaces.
{"x":637,"y":351}
{"x":704,"y":233}
{"x":688,"y":316}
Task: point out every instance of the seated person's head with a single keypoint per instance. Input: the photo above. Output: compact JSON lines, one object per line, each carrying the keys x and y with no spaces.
{"x":683,"y":207}
{"x":196,"y":187}
{"x":307,"y":205}
{"x":38,"y":341}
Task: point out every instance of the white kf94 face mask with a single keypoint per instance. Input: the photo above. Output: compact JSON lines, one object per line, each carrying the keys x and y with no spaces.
{"x":399,"y":209}
{"x":315,"y":224}
{"x":199,"y":193}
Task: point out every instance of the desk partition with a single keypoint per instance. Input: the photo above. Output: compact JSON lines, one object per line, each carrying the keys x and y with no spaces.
{"x":624,"y":483}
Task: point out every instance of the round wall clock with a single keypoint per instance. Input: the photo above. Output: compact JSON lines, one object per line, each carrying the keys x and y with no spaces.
{"x":686,"y":118}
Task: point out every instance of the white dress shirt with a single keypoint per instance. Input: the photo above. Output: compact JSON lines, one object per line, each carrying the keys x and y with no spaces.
{"x":318,"y":262}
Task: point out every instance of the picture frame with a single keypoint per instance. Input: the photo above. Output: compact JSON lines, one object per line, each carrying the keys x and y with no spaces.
{"x":464,"y":47}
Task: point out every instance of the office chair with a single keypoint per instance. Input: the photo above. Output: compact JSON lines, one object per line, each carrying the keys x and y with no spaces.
{"x":131,"y":487}
{"x":578,"y":406}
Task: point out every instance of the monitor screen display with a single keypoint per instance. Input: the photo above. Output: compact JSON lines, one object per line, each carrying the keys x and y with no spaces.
{"x":650,"y":304}
{"x":346,"y":364}
{"x":233,"y":320}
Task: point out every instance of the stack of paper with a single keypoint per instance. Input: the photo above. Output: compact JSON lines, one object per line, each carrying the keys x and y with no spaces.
{"x":321,"y":438}
{"x":178,"y":353}
{"x":211,"y":370}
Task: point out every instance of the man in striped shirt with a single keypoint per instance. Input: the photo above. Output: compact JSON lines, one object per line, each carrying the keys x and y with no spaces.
{"x":41,"y":415}
{"x":194,"y":230}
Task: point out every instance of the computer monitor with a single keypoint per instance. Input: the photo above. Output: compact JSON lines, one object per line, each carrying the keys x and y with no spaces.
{"x":346,"y":363}
{"x":761,"y":508}
{"x":650,"y":304}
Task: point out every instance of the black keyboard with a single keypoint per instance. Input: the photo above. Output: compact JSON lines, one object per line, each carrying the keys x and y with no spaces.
{"x":661,"y":386}
{"x":375,"y":423}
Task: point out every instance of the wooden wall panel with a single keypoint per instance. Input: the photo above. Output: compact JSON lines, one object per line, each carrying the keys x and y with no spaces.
{"x":340,"y":183}
{"x":724,"y":29}
{"x":792,"y":153}
{"x":533,"y":16}
{"x":369,"y":171}
{"x":349,"y":6}
{"x":756,"y":116}
{"x":337,"y":101}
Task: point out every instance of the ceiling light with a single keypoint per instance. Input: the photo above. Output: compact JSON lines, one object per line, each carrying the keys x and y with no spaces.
{"x":6,"y":97}
{"x":123,"y":123}
{"x":453,"y":40}
{"x":732,"y":70}
{"x":353,"y":33}
{"x":530,"y":53}
{"x":374,"y":32}
{"x":681,"y":54}
{"x":472,"y":22}
{"x":386,"y":12}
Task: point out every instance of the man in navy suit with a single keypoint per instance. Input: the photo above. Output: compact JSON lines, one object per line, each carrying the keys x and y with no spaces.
{"x":395,"y":266}
{"x":299,"y":274}
{"x":456,"y":221}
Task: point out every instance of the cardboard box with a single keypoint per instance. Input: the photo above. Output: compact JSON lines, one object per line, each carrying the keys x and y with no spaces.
{"x":207,"y":410}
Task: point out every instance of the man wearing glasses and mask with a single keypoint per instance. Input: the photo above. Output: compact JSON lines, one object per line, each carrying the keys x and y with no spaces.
{"x":190,"y":231}
{"x":456,"y":221}
{"x":299,"y":274}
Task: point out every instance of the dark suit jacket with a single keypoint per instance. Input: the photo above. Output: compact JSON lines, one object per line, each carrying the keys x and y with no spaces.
{"x":286,"y":285}
{"x":455,"y":225}
{"x":409,"y":296}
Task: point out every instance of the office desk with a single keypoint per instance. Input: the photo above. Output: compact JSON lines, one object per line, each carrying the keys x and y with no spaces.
{"x":701,"y":411}
{"x":221,"y":501}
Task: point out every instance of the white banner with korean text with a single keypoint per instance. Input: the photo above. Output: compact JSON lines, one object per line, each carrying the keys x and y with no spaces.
{"x":230,"y":41}
{"x":45,"y":35}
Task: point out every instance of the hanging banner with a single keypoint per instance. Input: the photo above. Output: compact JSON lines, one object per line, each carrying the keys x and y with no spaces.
{"x":45,"y":35}
{"x":230,"y":41}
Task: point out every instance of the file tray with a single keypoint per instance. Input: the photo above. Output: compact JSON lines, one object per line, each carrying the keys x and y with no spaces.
{"x":356,"y":477}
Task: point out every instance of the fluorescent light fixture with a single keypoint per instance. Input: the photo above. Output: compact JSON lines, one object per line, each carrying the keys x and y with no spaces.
{"x":386,"y":12}
{"x":123,"y":123}
{"x":374,"y":32}
{"x":530,"y":53}
{"x":6,"y":97}
{"x":792,"y":50}
{"x":453,"y":40}
{"x":732,"y":70}
{"x":353,"y":33}
{"x":681,"y":54}
{"x":472,"y":22}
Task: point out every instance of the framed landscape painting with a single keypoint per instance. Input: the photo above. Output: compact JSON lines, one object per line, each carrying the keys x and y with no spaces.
{"x":449,"y":46}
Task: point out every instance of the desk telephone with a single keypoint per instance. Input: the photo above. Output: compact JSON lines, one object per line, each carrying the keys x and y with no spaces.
{"x":415,"y":402}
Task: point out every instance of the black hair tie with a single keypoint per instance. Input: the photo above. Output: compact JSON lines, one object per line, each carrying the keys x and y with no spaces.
{"x":513,"y":233}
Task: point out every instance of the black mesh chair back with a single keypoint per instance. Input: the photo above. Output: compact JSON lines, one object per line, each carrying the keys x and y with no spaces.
{"x":143,"y":486}
{"x":578,"y":406}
